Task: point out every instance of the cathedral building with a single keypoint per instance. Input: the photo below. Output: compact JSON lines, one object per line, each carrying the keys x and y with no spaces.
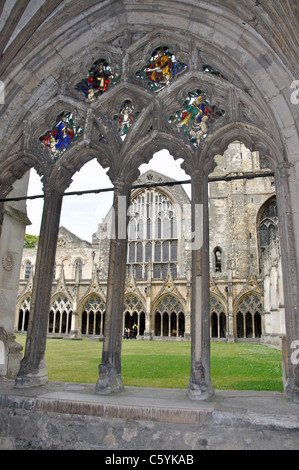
{"x":246,"y":295}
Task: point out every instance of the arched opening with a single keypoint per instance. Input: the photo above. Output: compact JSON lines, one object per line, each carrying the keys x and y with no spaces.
{"x":60,"y":316}
{"x":248,"y":316}
{"x":218,"y":259}
{"x":23,"y":316}
{"x":169,"y":317}
{"x":74,"y":214}
{"x":134,"y":317}
{"x":218,"y":318}
{"x":93,"y":316}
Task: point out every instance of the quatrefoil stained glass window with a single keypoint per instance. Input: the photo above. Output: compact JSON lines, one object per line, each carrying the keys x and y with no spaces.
{"x":161,"y":69}
{"x":100,"y":78}
{"x":196,"y":116}
{"x":63,"y":132}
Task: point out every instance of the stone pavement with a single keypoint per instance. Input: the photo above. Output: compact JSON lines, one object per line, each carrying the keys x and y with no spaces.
{"x":229,"y":419}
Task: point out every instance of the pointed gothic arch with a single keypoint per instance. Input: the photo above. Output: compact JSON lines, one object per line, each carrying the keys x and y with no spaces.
{"x":92,"y":311}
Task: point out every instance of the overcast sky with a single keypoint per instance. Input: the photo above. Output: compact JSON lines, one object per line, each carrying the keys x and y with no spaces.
{"x":82,"y":214}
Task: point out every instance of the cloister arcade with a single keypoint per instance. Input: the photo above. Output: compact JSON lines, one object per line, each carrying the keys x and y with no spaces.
{"x":91,"y":82}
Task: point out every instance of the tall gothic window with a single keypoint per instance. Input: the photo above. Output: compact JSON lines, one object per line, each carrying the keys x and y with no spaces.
{"x":268,"y":225}
{"x":152,"y":234}
{"x":27,"y":270}
{"x":218,"y":259}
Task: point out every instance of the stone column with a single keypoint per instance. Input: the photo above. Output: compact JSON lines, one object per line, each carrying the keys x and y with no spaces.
{"x":33,"y":366}
{"x":200,"y":386}
{"x":149,"y":322}
{"x":110,"y":380}
{"x":287,"y":188}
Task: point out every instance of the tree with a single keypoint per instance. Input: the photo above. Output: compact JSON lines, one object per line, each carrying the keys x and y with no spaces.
{"x":30,"y":240}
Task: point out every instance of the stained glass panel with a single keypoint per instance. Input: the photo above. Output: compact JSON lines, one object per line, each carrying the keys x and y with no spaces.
{"x":100,"y":78}
{"x":59,"y":138}
{"x":161,"y":69}
{"x":125,"y":117}
{"x":196,"y":116}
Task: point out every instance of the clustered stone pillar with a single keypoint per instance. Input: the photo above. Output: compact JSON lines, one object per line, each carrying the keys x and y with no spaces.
{"x":200,"y":386}
{"x":287,"y":186}
{"x":33,"y":366}
{"x":110,"y":380}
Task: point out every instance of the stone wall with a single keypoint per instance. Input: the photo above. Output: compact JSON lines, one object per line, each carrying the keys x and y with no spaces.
{"x":70,"y":417}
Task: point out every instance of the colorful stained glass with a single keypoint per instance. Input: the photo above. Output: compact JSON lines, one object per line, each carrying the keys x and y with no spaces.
{"x":100,"y":78}
{"x":196,"y":116}
{"x":59,"y":138}
{"x":161,"y":69}
{"x":125,"y":117}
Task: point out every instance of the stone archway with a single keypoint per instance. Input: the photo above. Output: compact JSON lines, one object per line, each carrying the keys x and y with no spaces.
{"x":134,"y":316}
{"x":248,"y":312}
{"x":218,"y":318}
{"x":93,"y":316}
{"x":248,"y":74}
{"x":169,"y":317}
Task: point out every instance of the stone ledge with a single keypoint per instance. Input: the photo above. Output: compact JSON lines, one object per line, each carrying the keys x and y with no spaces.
{"x":73,"y":416}
{"x":143,"y":413}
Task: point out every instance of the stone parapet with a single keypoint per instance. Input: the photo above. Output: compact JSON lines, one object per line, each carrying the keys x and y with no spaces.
{"x":72,"y":416}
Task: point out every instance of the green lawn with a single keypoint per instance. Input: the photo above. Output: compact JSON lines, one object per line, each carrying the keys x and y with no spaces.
{"x":234,"y":366}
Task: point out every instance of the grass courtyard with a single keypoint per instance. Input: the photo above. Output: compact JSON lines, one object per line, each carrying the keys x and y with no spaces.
{"x":234,"y":366}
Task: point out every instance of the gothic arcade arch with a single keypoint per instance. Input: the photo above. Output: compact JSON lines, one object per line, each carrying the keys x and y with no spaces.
{"x":248,"y":316}
{"x":169,"y":316}
{"x":60,"y":316}
{"x":23,"y":311}
{"x":91,"y":311}
{"x":133,"y":316}
{"x":218,"y":314}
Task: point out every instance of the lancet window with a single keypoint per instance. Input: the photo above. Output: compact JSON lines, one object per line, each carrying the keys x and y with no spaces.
{"x":28,"y":267}
{"x":268,"y":226}
{"x":217,"y":259}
